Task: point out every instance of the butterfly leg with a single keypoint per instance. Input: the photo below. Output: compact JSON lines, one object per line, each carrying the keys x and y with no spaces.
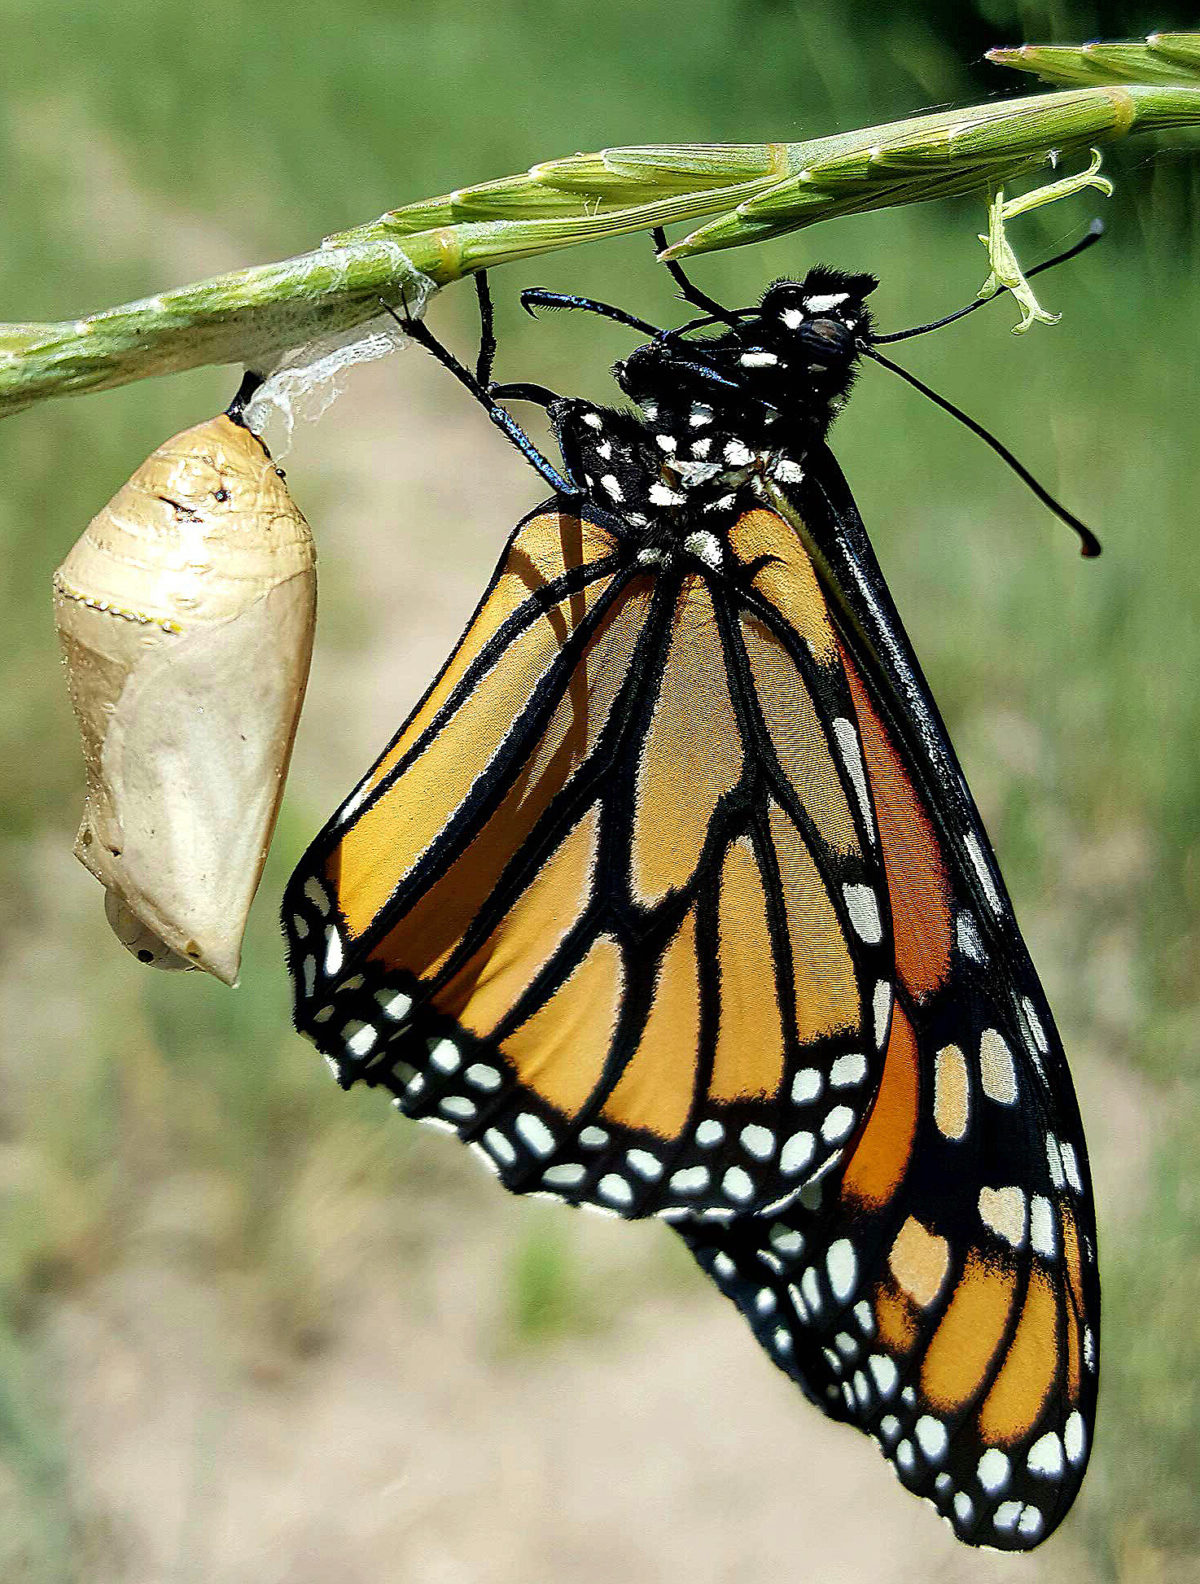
{"x":688,"y":291}
{"x":503,"y":420}
{"x":537,"y":297}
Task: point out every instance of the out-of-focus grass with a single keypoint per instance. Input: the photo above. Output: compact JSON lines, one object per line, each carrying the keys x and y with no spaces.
{"x":1070,"y":688}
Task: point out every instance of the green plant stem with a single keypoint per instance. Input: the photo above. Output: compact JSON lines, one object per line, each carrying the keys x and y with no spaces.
{"x":741,"y":193}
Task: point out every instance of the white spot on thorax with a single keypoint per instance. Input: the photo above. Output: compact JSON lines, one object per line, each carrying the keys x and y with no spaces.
{"x":758,"y":358}
{"x":821,"y":303}
{"x":704,"y":546}
{"x":662,"y":496}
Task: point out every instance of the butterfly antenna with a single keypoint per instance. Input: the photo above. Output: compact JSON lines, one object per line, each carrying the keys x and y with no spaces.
{"x":1089,"y":544}
{"x":1094,"y":233}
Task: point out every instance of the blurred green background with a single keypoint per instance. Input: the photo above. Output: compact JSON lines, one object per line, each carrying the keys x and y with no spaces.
{"x":253,"y":1328}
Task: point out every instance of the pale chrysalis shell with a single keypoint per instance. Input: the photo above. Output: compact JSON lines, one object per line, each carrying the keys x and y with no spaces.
{"x":186,"y":615}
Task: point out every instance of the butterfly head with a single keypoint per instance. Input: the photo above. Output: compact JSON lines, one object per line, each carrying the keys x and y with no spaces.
{"x":803,"y":345}
{"x":781,"y":368}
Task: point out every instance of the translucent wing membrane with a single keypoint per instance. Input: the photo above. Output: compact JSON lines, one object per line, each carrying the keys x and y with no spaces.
{"x":612,"y":904}
{"x":938,"y":1288}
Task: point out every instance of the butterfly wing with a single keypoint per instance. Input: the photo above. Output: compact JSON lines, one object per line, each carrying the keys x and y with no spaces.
{"x":939,"y":1289}
{"x":611,"y":905}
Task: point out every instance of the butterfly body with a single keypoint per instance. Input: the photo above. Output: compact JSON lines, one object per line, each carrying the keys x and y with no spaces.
{"x":670,"y":899}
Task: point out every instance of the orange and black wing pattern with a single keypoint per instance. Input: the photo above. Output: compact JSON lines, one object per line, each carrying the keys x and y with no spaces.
{"x":670,"y":899}
{"x":938,"y":1288}
{"x":611,"y":905}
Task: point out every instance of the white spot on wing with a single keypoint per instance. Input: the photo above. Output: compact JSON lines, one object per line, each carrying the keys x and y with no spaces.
{"x":996,"y":1070}
{"x":758,"y":1141}
{"x":692,"y":1180}
{"x":567,"y":1175}
{"x":615,"y":1189}
{"x":980,"y":863}
{"x":847,"y":738}
{"x":841,"y":1263}
{"x":848,"y":1070}
{"x":882,"y":1008}
{"x":535,"y":1133}
{"x":806,"y":1085}
{"x":837,"y":1124}
{"x":394,"y":1004}
{"x":863,"y":908}
{"x":646,"y":1165}
{"x":931,"y":1437}
{"x":887,"y":1376}
{"x":1041,"y":1227}
{"x":359,"y":1037}
{"x":993,"y":1471}
{"x":969,"y":941}
{"x":500,"y":1146}
{"x":1046,"y":1456}
{"x":796,"y":1153}
{"x":444,"y":1055}
{"x":333,"y":950}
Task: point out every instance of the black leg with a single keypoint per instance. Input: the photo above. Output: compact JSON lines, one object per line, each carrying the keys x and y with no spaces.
{"x":536,"y":297}
{"x":503,"y":420}
{"x":691,"y":293}
{"x":487,"y":331}
{"x":524,"y":391}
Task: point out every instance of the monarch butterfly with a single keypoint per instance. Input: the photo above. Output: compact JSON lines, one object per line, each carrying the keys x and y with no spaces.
{"x":670,"y":899}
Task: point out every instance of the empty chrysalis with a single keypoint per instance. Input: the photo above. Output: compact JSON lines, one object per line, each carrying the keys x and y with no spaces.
{"x":186,"y":615}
